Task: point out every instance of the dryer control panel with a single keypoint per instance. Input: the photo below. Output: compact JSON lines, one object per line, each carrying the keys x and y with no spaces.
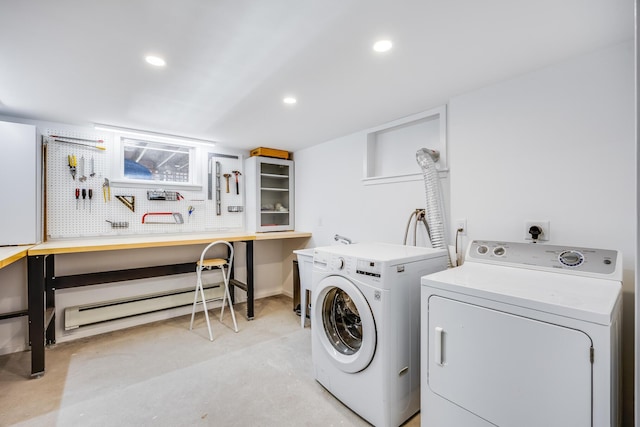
{"x":590,"y":262}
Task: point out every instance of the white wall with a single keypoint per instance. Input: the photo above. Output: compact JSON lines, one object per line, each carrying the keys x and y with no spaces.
{"x":556,"y":144}
{"x":332,"y":199}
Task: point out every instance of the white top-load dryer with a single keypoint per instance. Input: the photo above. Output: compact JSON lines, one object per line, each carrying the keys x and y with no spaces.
{"x":522,"y":335}
{"x":365,"y":330}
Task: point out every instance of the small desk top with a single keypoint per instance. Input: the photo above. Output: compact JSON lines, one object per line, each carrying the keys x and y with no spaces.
{"x":11,"y":254}
{"x":110,"y":243}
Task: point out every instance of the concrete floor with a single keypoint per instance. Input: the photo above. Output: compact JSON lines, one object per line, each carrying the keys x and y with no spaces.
{"x":162,"y":374}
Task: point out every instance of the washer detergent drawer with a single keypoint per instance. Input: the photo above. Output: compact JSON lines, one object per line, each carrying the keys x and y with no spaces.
{"x":508,"y":370}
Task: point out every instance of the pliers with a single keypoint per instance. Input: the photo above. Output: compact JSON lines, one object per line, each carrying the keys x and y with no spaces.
{"x":73,"y":163}
{"x":106,"y":190}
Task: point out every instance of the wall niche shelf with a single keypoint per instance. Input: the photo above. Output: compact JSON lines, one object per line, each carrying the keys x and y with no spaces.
{"x":390,"y":149}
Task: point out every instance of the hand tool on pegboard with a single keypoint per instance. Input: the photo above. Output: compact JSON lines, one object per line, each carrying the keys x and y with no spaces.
{"x":237,"y":173}
{"x":209,"y":179}
{"x":118,"y":224}
{"x":99,"y":141}
{"x":93,"y":168}
{"x":73,"y":163}
{"x":128,"y":201}
{"x":171,"y":218}
{"x":83,"y":177}
{"x":97,"y":147}
{"x":84,"y":198}
{"x":77,"y":197}
{"x":227,"y":176}
{"x":63,"y":139}
{"x":218,"y":195}
{"x":90,"y":197}
{"x":162,"y":195}
{"x":106,"y":190}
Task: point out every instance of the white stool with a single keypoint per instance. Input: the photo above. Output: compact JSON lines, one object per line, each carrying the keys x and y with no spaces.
{"x":225,"y":266}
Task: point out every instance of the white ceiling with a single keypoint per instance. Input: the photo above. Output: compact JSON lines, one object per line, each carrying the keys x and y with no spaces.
{"x":230,"y":62}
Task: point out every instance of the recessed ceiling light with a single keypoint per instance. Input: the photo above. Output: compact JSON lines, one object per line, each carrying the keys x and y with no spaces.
{"x":155,"y":60}
{"x":289,"y":100}
{"x":382,"y":45}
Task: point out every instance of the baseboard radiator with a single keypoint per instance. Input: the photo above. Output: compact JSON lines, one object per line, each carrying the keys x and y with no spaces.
{"x":90,"y":314}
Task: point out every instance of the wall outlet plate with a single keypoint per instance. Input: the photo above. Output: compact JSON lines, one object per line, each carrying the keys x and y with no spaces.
{"x":543,"y":225}
{"x":461,"y":224}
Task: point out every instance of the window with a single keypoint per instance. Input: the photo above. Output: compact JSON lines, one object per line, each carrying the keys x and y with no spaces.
{"x":148,"y":162}
{"x":155,"y":161}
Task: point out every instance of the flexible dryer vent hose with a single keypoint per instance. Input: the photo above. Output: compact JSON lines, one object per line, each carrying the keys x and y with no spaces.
{"x":435,"y":203}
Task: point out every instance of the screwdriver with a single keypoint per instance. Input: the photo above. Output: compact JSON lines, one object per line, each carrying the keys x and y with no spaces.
{"x":90,"y":197}
{"x":84,"y":197}
{"x":77,"y":195}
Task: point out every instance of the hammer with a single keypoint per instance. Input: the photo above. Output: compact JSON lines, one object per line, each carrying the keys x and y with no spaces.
{"x":236,"y":173}
{"x":226,"y":176}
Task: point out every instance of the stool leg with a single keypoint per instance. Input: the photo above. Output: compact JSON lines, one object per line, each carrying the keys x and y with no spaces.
{"x":206,"y":312}
{"x":224,"y":295}
{"x":200,"y":289}
{"x":195,"y":298}
{"x":227,"y":297}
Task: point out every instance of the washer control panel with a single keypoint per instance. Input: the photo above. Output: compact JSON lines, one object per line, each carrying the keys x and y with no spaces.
{"x":573,"y":260}
{"x":366,"y":268}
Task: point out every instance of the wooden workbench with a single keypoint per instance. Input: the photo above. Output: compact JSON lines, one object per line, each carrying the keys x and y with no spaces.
{"x":9,"y":255}
{"x":43,"y":281}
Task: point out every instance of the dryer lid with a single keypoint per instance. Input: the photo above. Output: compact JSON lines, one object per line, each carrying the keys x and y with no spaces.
{"x":582,"y":298}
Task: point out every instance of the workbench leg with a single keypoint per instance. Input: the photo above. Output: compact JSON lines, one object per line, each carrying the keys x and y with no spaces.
{"x":50,"y":300}
{"x":250,"y":282}
{"x":35,"y":290}
{"x":232,"y":274}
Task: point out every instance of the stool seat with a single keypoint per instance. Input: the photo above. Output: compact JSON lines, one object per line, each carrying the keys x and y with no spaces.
{"x":212,"y":262}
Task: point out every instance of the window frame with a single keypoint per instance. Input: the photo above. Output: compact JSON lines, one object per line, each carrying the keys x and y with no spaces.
{"x":195,"y":170}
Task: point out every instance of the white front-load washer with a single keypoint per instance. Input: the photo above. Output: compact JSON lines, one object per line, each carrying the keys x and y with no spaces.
{"x":365,"y":314}
{"x":522,"y":335}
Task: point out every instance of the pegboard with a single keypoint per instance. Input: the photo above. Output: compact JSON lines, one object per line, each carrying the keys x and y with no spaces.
{"x":68,"y":217}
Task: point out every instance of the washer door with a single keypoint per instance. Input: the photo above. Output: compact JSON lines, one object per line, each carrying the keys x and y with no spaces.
{"x":344,"y":323}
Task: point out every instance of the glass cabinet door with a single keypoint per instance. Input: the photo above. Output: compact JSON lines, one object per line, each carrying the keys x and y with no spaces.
{"x":274,"y":195}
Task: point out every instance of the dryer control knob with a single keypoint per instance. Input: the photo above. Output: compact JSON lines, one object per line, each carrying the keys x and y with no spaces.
{"x":571,"y":258}
{"x":339,"y":263}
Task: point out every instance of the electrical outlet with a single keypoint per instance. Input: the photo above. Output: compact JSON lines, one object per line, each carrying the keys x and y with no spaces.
{"x":544,"y":227}
{"x":461,"y":224}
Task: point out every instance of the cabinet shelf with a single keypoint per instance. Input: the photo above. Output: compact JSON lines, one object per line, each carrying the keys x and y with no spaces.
{"x":274,"y":189}
{"x":274,"y":212}
{"x":272,"y":175}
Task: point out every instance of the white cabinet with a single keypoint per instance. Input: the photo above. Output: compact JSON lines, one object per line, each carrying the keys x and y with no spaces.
{"x":20,"y":185}
{"x":270,"y":190}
